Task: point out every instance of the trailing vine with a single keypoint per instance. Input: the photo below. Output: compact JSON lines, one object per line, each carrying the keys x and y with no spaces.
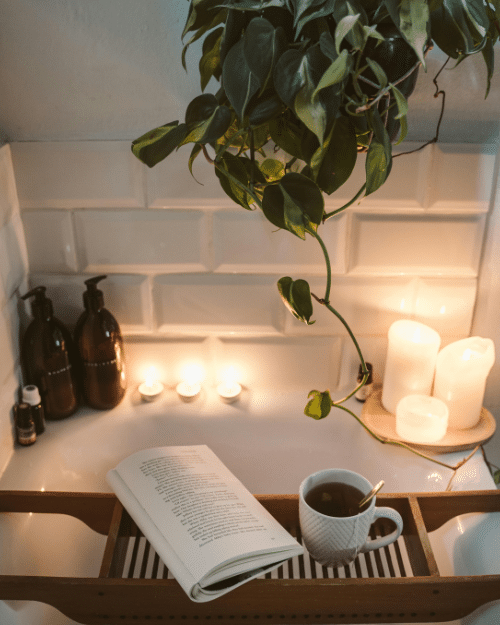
{"x":305,"y":86}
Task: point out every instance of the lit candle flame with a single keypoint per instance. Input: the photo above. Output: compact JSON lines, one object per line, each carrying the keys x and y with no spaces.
{"x":150,"y":377}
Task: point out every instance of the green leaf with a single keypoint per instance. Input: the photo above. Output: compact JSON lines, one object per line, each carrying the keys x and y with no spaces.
{"x":313,"y":13}
{"x":400,"y":101}
{"x":197,"y":148}
{"x":233,"y":178}
{"x":206,"y":119}
{"x":496,"y":476}
{"x":295,"y":221}
{"x":305,"y":194}
{"x":378,"y":71}
{"x":287,"y":133}
{"x":340,"y":156}
{"x":378,"y":166}
{"x":155,"y":145}
{"x":489,"y":59}
{"x":295,"y":204}
{"x":327,"y":45}
{"x":310,"y":110}
{"x":210,"y":23}
{"x":296,"y":296}
{"x":265,"y":110}
{"x":319,"y":405}
{"x":413,"y":24}
{"x":289,"y":76}
{"x":336,"y":73}
{"x":343,"y":28}
{"x":263,"y":44}
{"x":240,"y":84}
{"x":272,"y":169}
{"x":273,"y":206}
{"x":210,"y":61}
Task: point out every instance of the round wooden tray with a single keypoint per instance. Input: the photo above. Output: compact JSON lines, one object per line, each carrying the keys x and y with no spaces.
{"x":383,"y":423}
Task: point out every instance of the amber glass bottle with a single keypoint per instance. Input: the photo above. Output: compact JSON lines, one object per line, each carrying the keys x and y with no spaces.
{"x":48,"y":358}
{"x":100,"y":349}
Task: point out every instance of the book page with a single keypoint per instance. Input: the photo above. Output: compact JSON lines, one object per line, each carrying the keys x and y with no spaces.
{"x":204,"y":512}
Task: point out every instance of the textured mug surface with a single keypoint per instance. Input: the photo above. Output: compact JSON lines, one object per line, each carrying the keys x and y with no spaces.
{"x":335,"y":541}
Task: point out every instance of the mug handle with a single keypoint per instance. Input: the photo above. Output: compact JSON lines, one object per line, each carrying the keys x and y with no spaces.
{"x":383,"y":541}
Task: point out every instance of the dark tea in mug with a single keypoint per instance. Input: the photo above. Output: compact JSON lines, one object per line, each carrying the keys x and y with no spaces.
{"x":335,"y":499}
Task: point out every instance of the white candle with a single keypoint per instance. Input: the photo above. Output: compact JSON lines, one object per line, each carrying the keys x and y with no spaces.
{"x":461,"y":371}
{"x":190,"y":385}
{"x":229,"y":389}
{"x":151,"y":388}
{"x":410,"y":364}
{"x":421,"y":419}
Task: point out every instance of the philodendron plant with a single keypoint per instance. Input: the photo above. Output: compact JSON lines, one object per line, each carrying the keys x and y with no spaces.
{"x":305,"y":86}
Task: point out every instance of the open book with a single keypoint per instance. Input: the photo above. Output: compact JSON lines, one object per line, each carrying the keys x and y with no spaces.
{"x":209,"y":530}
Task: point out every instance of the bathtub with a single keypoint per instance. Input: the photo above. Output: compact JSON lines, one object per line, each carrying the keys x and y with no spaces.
{"x":265,"y":440}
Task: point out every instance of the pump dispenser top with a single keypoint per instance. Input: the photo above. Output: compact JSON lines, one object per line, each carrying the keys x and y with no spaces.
{"x":100,"y":348}
{"x":48,"y":358}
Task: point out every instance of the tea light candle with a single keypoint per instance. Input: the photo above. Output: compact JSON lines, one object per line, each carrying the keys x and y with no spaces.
{"x":410,"y":364}
{"x":421,"y":419}
{"x":461,"y":372}
{"x":151,"y":388}
{"x":190,"y":385}
{"x":229,"y":390}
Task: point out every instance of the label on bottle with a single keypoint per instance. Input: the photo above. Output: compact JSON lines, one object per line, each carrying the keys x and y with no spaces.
{"x":104,"y":363}
{"x":59,"y":371}
{"x":26,"y":436}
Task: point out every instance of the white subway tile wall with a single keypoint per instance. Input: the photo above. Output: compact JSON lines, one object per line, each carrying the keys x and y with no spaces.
{"x":192,"y":274}
{"x":13,"y":283}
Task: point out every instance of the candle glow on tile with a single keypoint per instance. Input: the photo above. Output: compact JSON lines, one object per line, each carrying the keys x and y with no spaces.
{"x":411,"y":359}
{"x":191,"y":378}
{"x":151,"y":388}
{"x":229,"y":389}
{"x":421,"y":419}
{"x":461,"y":372}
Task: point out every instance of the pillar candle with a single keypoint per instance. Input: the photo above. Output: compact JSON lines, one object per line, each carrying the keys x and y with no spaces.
{"x":410,"y":364}
{"x":461,"y":371}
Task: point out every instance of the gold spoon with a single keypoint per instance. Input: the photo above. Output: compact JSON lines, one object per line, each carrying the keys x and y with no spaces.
{"x":371,"y":494}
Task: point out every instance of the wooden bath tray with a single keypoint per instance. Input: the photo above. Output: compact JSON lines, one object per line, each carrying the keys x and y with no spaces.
{"x":397,"y":584}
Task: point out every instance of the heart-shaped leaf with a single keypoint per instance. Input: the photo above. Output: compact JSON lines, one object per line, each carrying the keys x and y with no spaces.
{"x":338,"y":160}
{"x":319,"y":405}
{"x":206,"y":119}
{"x":263,"y":44}
{"x":240,"y":84}
{"x":155,"y":145}
{"x":233,"y":178}
{"x":296,"y":296}
{"x":305,"y":194}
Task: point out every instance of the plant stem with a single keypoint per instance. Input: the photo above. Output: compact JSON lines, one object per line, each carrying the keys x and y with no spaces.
{"x":326,"y":302}
{"x":326,"y":299}
{"x":339,"y":210}
{"x":386,"y":441}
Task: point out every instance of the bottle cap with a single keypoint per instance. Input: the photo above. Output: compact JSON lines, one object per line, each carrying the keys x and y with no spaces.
{"x":93,"y":294}
{"x":41,"y":306}
{"x":31,"y":395}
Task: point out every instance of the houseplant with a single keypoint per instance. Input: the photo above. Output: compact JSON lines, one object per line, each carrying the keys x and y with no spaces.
{"x":306,"y":86}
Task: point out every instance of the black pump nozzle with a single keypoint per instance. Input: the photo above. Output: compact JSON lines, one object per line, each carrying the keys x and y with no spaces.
{"x":93,"y":294}
{"x":41,"y":305}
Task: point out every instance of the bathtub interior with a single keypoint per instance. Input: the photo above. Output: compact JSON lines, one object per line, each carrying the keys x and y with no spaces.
{"x":264,"y":439}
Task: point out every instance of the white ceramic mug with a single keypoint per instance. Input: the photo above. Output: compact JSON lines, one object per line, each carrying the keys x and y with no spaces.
{"x":335,"y":541}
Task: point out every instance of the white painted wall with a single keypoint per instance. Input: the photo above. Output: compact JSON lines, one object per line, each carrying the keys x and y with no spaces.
{"x":13,"y":282}
{"x":110,"y":69}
